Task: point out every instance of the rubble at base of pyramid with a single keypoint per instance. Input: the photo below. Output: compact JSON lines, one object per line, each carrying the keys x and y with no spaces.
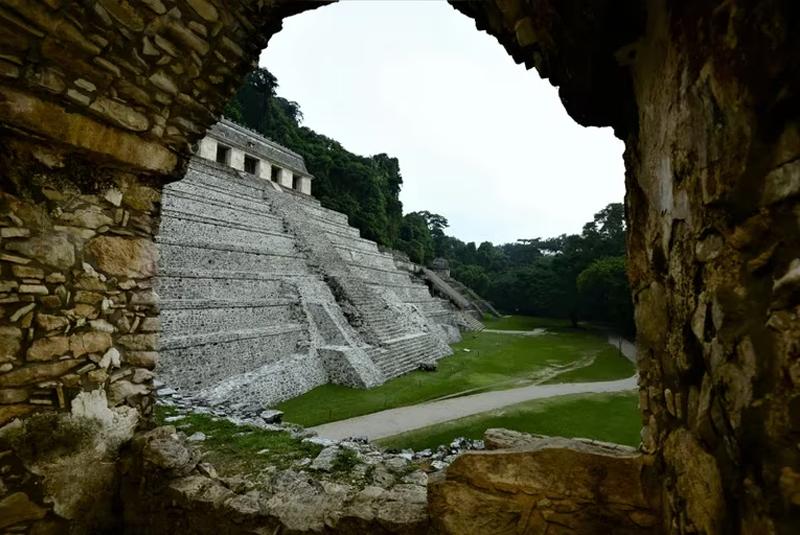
{"x":265,"y":294}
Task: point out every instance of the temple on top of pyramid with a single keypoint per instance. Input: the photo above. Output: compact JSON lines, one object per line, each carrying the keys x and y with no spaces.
{"x":243,"y":149}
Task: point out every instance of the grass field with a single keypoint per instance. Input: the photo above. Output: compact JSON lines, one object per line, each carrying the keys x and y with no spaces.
{"x":481,"y":362}
{"x":607,"y":417}
{"x":524,"y":323}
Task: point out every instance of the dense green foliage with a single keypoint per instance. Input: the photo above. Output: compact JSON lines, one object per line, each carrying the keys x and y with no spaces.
{"x":607,"y":417}
{"x":581,"y":277}
{"x":482,"y":362}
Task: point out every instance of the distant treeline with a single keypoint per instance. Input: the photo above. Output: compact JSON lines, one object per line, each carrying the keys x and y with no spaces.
{"x":581,"y":277}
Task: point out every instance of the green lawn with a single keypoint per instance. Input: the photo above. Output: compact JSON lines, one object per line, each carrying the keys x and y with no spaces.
{"x":524,"y":323}
{"x":481,"y":362}
{"x":607,"y":417}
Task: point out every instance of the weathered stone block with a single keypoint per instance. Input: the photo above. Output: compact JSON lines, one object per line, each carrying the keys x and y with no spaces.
{"x":138,"y":342}
{"x":542,"y":485}
{"x":90,"y":217}
{"x":90,"y":342}
{"x":143,"y":359}
{"x":10,"y":343}
{"x":37,"y":289}
{"x":13,"y":395}
{"x":119,"y":113}
{"x":27,"y":272}
{"x":18,"y":507}
{"x":14,"y":232}
{"x":52,"y":249}
{"x":48,"y":348}
{"x":124,"y":257}
{"x":119,"y":391}
{"x":35,"y":373}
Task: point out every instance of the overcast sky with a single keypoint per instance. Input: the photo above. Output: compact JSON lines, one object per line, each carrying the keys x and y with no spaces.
{"x":480,"y":140}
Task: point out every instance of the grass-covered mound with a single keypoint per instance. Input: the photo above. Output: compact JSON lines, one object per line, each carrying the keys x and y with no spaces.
{"x":607,"y":417}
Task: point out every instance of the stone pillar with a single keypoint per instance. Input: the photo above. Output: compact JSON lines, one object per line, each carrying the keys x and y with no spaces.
{"x":78,"y":328}
{"x":304,"y":185}
{"x":237,"y":159}
{"x":713,"y":198}
{"x":207,"y":148}
{"x":265,"y":170}
{"x":285,"y":178}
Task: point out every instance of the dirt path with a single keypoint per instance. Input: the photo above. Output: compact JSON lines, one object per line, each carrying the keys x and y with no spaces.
{"x":627,"y":347}
{"x":534,"y":332}
{"x":394,"y":421}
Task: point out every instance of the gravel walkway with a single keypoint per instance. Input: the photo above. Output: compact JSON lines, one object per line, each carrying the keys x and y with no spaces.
{"x":627,"y":347}
{"x":534,"y":332}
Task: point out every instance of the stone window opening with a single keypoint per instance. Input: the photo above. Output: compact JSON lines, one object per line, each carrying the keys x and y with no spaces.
{"x":673,"y":55}
{"x":274,"y":174}
{"x":251,"y":165}
{"x":296,"y":182}
{"x":223,"y":154}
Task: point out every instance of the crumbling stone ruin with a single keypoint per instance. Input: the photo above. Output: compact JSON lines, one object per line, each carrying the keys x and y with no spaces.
{"x":438,"y":276}
{"x":100,"y":102}
{"x":265,"y":294}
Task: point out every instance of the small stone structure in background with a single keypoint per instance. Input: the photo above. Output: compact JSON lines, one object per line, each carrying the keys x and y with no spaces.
{"x":265,"y":294}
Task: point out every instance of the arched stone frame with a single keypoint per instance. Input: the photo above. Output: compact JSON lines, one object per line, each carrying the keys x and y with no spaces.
{"x":704,"y":95}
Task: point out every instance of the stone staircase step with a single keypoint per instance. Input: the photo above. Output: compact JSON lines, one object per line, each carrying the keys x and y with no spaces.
{"x":222,"y":317}
{"x":204,"y":339}
{"x":221,"y":212}
{"x":215,"y":256}
{"x":179,"y":232}
{"x":203,"y":365}
{"x":404,"y":354}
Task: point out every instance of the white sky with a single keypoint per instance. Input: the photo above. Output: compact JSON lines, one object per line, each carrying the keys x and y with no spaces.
{"x":480,"y":140}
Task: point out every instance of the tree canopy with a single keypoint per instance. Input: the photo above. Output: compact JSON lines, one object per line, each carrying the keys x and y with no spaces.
{"x":579,"y":276}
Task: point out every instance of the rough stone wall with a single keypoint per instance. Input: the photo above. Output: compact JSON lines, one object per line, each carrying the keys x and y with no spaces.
{"x":705,"y":96}
{"x":713,"y":186}
{"x":78,"y":326}
{"x":135,"y":82}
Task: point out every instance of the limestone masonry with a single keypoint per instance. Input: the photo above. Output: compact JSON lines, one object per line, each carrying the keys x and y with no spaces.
{"x":265,"y":294}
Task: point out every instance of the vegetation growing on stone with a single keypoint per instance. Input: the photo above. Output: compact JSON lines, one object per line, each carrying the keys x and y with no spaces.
{"x":49,"y":435}
{"x":236,"y":449}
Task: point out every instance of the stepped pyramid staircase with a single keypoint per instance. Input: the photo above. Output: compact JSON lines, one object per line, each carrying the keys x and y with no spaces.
{"x":363,"y":280}
{"x":265,"y":294}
